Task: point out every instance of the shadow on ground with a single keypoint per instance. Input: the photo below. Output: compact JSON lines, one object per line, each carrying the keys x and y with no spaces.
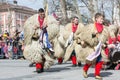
{"x":57,"y":69}
{"x":103,"y":74}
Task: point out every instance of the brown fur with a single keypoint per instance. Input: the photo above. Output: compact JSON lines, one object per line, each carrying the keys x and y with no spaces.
{"x":68,"y":52}
{"x":58,"y":48}
{"x":82,"y":53}
{"x":84,"y":34}
{"x":63,"y":36}
{"x":112,"y":30}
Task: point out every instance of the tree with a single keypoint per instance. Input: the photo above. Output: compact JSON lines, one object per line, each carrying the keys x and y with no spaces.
{"x":106,"y":7}
{"x":92,"y":6}
{"x":118,"y":14}
{"x":77,"y":9}
{"x":63,"y":8}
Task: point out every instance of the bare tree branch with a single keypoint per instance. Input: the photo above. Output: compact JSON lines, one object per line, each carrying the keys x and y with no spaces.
{"x":77,"y":10}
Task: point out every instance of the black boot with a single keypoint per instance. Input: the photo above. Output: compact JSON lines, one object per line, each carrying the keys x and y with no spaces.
{"x":79,"y":64}
{"x":74,"y":65}
{"x":111,"y":66}
{"x":40,"y":70}
{"x":31,"y":64}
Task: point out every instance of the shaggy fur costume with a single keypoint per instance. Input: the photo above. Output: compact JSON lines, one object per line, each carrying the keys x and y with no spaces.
{"x":33,"y":50}
{"x":90,"y":43}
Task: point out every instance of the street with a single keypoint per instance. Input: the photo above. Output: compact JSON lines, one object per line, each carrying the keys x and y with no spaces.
{"x":19,"y":70}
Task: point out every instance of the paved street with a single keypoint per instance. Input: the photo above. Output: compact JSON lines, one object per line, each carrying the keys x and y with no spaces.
{"x":19,"y":70}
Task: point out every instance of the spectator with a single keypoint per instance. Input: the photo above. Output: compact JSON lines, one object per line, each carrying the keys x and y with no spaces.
{"x":6,"y":51}
{"x":15,"y":53}
{"x":10,"y":50}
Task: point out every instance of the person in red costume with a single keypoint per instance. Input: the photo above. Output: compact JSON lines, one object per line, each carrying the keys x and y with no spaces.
{"x":107,"y":24}
{"x":113,"y":44}
{"x":98,"y":65}
{"x":74,"y":26}
{"x":43,"y":37}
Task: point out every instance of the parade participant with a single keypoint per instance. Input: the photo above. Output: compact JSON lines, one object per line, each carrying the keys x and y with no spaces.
{"x":113,"y":51}
{"x":98,"y":64}
{"x":33,"y":50}
{"x":107,"y":23}
{"x":43,"y":37}
{"x":74,"y":26}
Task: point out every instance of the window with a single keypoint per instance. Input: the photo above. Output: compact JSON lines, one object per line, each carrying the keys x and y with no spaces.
{"x":0,"y":17}
{"x":22,"y":16}
{"x":9,"y":16}
{"x":17,"y":16}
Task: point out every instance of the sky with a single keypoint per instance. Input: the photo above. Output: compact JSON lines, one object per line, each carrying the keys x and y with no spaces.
{"x":35,"y":4}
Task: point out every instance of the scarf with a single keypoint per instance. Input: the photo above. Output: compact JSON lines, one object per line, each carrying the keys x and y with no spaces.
{"x":74,"y":28}
{"x":99,"y":27}
{"x":40,"y":22}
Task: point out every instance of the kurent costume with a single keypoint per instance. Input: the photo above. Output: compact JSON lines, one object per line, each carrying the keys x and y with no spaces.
{"x":113,"y":49}
{"x":33,"y":51}
{"x":99,"y":62}
{"x":73,"y":31}
{"x":60,"y":49}
{"x":92,"y":52}
{"x":70,"y":42}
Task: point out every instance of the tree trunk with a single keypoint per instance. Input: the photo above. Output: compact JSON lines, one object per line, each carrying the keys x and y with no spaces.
{"x":77,"y":9}
{"x":119,"y":11}
{"x":112,"y":11}
{"x":44,"y":4}
{"x":63,"y":9}
{"x":92,"y":6}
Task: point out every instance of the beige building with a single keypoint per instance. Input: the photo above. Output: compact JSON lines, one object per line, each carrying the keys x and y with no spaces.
{"x":13,"y":15}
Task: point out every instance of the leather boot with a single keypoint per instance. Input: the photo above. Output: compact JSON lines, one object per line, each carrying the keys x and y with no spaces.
{"x":85,"y":74}
{"x":98,"y":77}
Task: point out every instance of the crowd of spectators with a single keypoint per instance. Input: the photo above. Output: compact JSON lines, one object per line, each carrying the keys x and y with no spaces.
{"x":11,"y":47}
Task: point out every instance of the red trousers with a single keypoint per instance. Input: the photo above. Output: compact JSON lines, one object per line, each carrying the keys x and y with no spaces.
{"x":60,"y":60}
{"x":39,"y":66}
{"x":98,"y":67}
{"x":74,"y":61}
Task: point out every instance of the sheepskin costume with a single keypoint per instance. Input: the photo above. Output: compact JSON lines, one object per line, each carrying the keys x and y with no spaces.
{"x":66,"y":34}
{"x":68,"y":30}
{"x":33,"y":50}
{"x":113,"y":29}
{"x":90,"y":43}
{"x":60,"y":41}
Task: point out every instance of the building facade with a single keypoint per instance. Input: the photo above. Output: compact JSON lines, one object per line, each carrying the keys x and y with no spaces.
{"x":13,"y":15}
